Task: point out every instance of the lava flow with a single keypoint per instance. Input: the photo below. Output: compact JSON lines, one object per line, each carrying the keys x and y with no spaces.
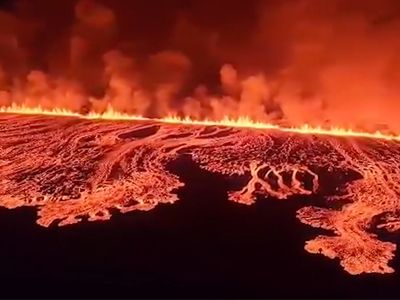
{"x":75,"y":167}
{"x":242,"y":122}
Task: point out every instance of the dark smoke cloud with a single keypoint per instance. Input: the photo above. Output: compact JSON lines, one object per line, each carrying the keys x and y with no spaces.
{"x":295,"y":61}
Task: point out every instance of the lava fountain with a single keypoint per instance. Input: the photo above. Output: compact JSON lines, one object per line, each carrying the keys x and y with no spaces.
{"x":73,"y":167}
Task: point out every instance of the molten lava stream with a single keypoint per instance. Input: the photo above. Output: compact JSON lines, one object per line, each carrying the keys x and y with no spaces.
{"x":75,"y":167}
{"x":241,"y":122}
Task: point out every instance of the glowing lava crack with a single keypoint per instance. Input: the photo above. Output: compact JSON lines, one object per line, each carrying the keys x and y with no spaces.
{"x":72,"y":168}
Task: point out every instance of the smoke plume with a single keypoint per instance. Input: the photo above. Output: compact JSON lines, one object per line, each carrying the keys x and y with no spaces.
{"x":293,"y":62}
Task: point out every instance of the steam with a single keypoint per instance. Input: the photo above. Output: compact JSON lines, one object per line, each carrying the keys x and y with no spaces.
{"x":293,"y":62}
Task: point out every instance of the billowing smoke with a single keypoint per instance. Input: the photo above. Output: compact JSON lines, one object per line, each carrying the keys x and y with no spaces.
{"x":293,"y":62}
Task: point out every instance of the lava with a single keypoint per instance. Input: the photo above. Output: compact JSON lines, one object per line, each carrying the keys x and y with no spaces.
{"x":241,"y":122}
{"x":74,"y":168}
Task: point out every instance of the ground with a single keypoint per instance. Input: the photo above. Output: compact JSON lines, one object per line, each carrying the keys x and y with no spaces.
{"x":75,"y":171}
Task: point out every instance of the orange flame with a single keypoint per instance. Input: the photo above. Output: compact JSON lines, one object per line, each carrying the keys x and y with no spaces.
{"x":241,"y":122}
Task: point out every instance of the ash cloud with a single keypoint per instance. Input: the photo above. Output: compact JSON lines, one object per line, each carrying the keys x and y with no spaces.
{"x":293,"y":62}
